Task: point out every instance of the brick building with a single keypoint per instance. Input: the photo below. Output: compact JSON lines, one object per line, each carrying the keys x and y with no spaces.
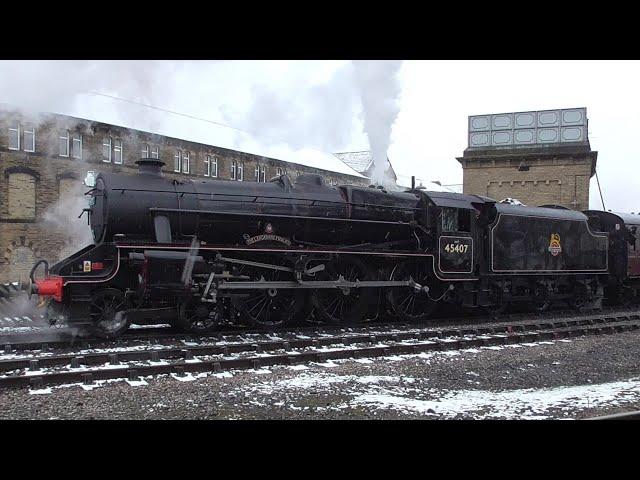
{"x":539,"y":158}
{"x":44,"y":159}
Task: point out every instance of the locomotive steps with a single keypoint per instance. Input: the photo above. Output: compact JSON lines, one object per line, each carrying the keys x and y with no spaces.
{"x":45,"y":369}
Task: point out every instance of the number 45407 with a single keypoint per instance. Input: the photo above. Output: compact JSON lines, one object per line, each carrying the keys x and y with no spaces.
{"x":456,"y":248}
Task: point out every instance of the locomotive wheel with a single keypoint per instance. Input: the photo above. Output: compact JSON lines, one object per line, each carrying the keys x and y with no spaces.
{"x":406,"y":303}
{"x":343,"y":305}
{"x":541,"y":301}
{"x":196,"y":317}
{"x":107,"y":313}
{"x":271,"y":307}
{"x":580,"y":300}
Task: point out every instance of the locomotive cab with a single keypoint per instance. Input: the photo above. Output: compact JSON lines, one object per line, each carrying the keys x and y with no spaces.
{"x":453,"y":219}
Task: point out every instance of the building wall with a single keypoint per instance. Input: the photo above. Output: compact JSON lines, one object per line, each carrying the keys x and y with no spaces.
{"x":41,"y":191}
{"x":550,"y":179}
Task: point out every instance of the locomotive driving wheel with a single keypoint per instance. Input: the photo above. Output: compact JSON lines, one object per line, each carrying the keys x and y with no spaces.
{"x":343,"y":305}
{"x":107,"y":313}
{"x":407,"y":303}
{"x":197,"y":317}
{"x":267,"y":307}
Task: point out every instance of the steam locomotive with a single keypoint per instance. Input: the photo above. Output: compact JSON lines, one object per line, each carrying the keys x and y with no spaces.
{"x":201,"y":254}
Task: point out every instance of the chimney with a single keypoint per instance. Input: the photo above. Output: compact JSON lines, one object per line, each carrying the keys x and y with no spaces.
{"x":150,"y":166}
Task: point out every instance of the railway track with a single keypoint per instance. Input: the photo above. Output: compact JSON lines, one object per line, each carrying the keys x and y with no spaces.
{"x":68,"y":337}
{"x":47,"y":368}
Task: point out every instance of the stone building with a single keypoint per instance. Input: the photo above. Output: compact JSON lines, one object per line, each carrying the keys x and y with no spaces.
{"x":539,"y":158}
{"x":44,"y":159}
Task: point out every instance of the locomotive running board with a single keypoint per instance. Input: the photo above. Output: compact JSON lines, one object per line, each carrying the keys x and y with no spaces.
{"x":340,"y":283}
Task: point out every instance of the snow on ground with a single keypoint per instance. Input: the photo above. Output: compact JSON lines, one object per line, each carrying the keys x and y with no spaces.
{"x":405,"y":395}
{"x":511,"y":404}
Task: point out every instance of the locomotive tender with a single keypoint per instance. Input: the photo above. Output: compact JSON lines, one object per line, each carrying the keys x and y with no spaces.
{"x":200,"y":254}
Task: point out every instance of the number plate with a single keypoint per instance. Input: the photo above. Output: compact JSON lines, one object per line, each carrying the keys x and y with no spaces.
{"x":456,"y":254}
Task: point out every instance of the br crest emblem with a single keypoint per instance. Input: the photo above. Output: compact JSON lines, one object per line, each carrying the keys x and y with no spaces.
{"x":554,"y":245}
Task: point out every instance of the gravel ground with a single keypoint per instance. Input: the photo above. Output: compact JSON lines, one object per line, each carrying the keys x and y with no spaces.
{"x":574,"y":378}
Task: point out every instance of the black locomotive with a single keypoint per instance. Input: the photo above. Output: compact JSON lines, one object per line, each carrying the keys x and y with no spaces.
{"x":201,"y":254}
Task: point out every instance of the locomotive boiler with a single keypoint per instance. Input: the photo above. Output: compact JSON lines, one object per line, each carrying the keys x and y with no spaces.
{"x":200,"y":254}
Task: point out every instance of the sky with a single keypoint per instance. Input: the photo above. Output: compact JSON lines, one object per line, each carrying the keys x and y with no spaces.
{"x":304,"y":110}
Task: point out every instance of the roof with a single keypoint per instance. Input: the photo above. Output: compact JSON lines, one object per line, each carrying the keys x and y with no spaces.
{"x":523,"y":210}
{"x":362,"y":162}
{"x":359,"y":161}
{"x":455,"y":200}
{"x":192,"y":130}
{"x":627,"y":218}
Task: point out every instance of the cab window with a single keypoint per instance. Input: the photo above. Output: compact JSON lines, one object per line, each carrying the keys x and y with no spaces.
{"x":456,"y":220}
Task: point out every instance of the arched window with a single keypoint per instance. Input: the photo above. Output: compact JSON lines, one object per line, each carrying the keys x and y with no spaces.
{"x":22,"y":193}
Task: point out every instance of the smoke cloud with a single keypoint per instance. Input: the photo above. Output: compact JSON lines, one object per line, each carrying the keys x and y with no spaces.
{"x":62,"y":217}
{"x":379,"y":92}
{"x":302,"y":116}
{"x":57,"y":85}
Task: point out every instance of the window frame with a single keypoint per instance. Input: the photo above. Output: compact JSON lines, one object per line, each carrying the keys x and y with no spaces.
{"x":105,"y":158}
{"x":241,"y":171}
{"x":17,"y":131}
{"x":60,"y":137}
{"x":32,"y":131}
{"x":155,"y":151}
{"x":214,"y":163}
{"x":207,"y":165}
{"x":145,"y":151}
{"x":234,"y":166}
{"x":118,"y":147}
{"x":186,"y":156}
{"x":73,"y":143}
{"x":177,"y":161}
{"x":263,"y":172}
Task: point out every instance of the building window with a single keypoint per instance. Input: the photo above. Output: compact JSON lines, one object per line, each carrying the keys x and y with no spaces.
{"x":145,"y":151}
{"x":155,"y":152}
{"x":64,"y":144}
{"x":214,"y":167}
{"x":257,"y":173}
{"x":176,"y":161}
{"x":240,"y":171}
{"x":106,"y":149}
{"x":185,"y":162}
{"x":76,"y":150}
{"x":14,"y":137}
{"x":278,"y":171}
{"x":210,"y":166}
{"x":260,"y":173}
{"x":263,"y":172}
{"x":234,"y":166}
{"x":30,"y":139}
{"x":117,"y":151}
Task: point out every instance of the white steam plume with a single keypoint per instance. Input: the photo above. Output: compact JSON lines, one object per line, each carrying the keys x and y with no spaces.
{"x":62,"y":218}
{"x":379,"y":91}
{"x":301,"y":115}
{"x":57,"y":86}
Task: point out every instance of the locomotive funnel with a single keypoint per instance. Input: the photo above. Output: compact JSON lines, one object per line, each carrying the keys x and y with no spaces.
{"x":150,"y":166}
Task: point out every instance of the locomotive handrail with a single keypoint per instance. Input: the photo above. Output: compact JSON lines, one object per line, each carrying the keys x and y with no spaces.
{"x":273,"y":215}
{"x":256,"y":197}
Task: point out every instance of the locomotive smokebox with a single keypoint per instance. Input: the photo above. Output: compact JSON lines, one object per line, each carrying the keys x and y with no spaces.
{"x":150,"y":166}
